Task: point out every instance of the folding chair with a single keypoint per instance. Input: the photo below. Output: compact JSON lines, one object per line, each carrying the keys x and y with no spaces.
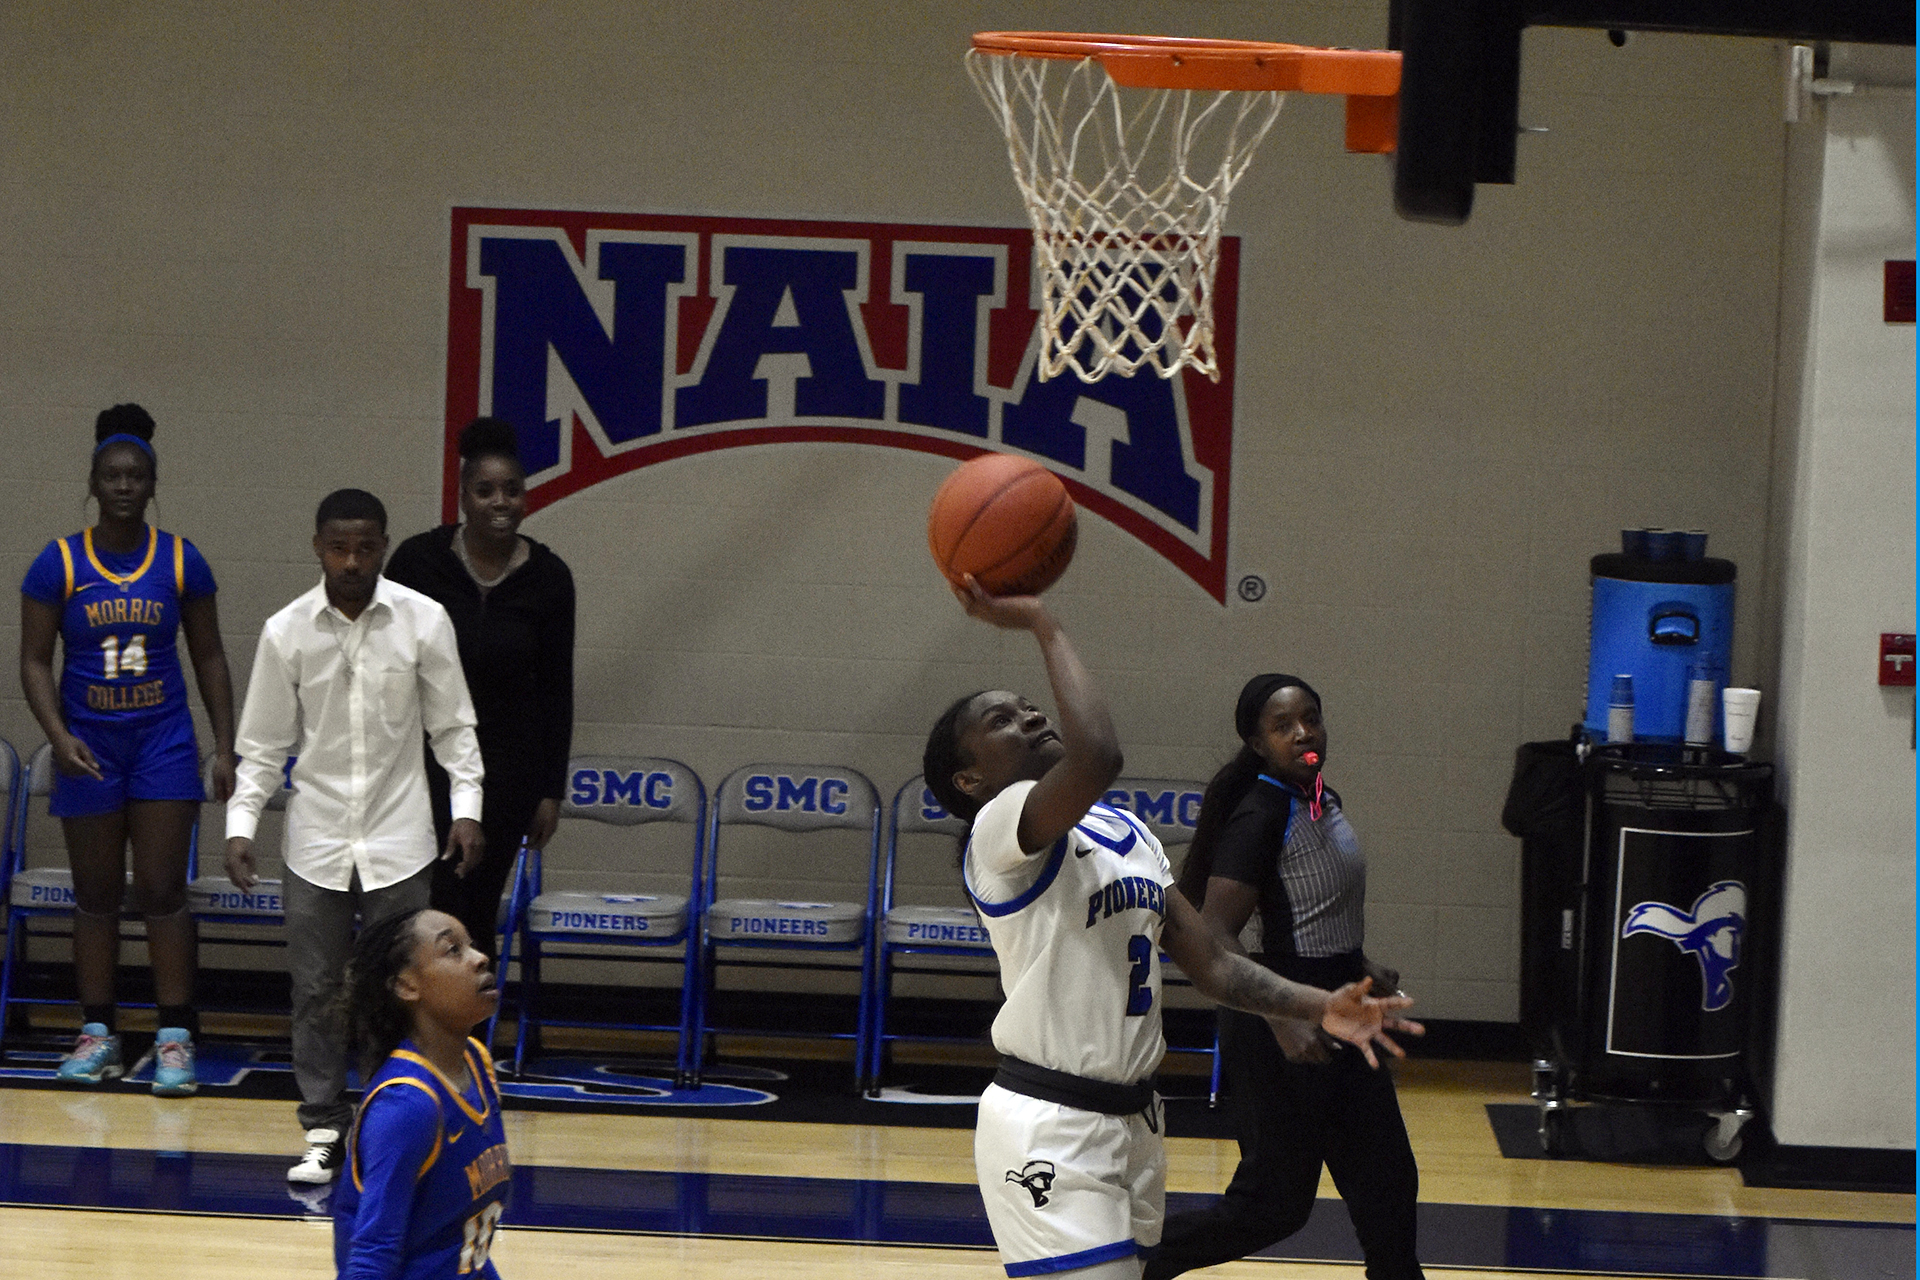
{"x":12,"y":807}
{"x":794,"y":798}
{"x":33,"y":893}
{"x":1170,"y":807}
{"x":214,"y":899}
{"x":952,"y":931}
{"x":254,"y":917}
{"x":13,"y":820}
{"x":621,"y":791}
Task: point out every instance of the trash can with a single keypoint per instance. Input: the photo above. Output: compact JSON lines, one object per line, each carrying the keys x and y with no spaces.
{"x":1635,"y":925}
{"x":1673,"y":861}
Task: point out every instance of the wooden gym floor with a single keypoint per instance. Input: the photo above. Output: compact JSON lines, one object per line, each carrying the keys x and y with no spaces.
{"x":754,"y":1186}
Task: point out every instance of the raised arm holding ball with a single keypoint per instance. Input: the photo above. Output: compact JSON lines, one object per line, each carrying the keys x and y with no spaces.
{"x":1079,"y":900}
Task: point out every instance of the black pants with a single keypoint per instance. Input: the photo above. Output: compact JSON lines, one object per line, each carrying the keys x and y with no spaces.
{"x":506,"y":808}
{"x":1291,"y":1118}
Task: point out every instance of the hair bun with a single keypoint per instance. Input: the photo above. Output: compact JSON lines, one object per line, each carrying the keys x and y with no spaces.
{"x":485,"y":437}
{"x":123,"y":420}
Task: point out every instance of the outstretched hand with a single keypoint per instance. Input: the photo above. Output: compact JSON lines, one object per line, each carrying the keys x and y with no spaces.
{"x":1363,"y":1020}
{"x":1015,"y":613}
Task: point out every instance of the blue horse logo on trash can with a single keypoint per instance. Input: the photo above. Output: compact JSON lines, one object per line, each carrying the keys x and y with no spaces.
{"x":1710,"y":933}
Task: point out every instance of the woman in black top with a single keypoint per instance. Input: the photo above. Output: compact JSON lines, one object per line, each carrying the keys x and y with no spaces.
{"x":1275,"y":865}
{"x":511,"y":600}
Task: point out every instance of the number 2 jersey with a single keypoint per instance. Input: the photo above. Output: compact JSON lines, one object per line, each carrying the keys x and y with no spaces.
{"x":426,"y":1175}
{"x":1077,"y":931}
{"x":120,"y":623}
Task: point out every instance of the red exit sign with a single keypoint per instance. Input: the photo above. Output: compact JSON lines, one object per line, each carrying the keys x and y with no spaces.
{"x":1896,"y":659}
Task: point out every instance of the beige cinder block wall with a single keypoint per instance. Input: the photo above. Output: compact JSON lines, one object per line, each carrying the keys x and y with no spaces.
{"x":241,"y":221}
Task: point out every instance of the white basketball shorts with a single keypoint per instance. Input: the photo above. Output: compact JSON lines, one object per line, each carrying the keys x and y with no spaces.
{"x":1067,"y":1188}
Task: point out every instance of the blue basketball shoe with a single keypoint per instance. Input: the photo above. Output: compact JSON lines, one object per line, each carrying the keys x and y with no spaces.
{"x":173,"y":1064}
{"x":95,"y":1056}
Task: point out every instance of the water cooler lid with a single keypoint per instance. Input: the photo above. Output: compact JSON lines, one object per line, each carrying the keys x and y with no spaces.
{"x":1702,"y":573}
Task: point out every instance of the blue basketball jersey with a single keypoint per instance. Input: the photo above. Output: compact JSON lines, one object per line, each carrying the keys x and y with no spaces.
{"x":426,"y":1173}
{"x":119,"y":622}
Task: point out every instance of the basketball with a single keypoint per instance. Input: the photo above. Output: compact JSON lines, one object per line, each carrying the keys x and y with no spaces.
{"x":1008,"y":521}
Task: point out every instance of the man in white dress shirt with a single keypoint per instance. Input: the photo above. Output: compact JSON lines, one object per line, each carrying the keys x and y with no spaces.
{"x":346,"y":678}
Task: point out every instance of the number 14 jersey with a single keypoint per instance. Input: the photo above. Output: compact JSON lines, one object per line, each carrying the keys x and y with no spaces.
{"x":119,"y":623}
{"x":1077,"y":932}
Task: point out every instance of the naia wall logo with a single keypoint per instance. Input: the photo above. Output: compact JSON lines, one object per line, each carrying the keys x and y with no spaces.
{"x":616,"y":341}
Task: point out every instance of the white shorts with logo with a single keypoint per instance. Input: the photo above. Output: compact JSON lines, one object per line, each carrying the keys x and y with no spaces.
{"x":1067,"y":1188}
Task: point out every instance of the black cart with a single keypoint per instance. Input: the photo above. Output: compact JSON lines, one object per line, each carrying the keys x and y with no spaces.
{"x":1641,"y":866}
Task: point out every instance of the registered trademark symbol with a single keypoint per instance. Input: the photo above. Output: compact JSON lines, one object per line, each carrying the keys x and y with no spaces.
{"x":1252,"y":588}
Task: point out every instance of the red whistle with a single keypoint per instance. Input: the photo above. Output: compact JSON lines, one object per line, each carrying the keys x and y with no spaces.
{"x":1310,"y":757}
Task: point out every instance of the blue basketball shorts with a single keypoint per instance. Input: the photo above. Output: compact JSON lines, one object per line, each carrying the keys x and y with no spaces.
{"x":153,"y":760}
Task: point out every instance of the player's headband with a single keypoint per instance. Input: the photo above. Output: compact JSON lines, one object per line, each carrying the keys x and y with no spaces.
{"x":123,"y":438}
{"x":1246,"y":713}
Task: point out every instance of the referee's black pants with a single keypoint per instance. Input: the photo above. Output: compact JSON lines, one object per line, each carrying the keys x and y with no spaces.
{"x":1291,"y":1118}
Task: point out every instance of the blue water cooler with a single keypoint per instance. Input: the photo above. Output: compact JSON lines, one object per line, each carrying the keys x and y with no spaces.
{"x":1655,"y":619}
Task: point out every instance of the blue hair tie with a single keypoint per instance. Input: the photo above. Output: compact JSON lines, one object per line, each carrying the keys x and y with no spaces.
{"x":123,"y":438}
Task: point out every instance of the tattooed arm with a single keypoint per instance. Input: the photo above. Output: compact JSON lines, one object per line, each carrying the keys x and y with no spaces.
{"x":1237,"y":982}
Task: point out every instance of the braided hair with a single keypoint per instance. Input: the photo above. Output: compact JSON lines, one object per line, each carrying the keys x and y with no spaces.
{"x":377,"y":1019}
{"x":943,"y":758}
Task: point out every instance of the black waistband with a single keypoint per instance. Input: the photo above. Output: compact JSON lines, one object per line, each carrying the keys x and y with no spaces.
{"x":1018,"y":1076}
{"x":1319,"y":971}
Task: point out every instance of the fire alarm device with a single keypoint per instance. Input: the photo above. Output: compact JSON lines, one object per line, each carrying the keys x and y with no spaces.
{"x":1896,"y":659}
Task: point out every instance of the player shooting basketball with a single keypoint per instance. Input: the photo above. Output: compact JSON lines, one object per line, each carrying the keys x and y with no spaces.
{"x":1079,"y":901}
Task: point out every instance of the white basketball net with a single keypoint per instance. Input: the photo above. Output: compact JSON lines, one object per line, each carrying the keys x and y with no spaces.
{"x":1127,"y":252}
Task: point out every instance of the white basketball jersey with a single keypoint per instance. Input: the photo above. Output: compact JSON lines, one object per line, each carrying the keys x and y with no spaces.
{"x":1077,"y":932}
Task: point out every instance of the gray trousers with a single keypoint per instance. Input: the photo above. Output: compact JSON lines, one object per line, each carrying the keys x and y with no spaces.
{"x":319,"y":943}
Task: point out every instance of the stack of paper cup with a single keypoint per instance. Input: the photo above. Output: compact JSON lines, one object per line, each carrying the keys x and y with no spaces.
{"x":1742,"y":708}
{"x":1620,"y":709}
{"x":1699,"y":726}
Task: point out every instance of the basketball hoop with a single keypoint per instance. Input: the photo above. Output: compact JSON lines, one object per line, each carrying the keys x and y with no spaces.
{"x":1127,"y":191}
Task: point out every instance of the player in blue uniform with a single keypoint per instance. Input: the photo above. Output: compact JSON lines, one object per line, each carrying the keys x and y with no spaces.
{"x":427,"y":1158}
{"x":127,"y":768}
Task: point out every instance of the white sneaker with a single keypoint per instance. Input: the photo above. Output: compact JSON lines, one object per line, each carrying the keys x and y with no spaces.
{"x":322,"y":1160}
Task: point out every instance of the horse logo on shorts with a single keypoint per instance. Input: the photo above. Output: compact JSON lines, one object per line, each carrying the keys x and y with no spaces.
{"x":1037,"y":1177}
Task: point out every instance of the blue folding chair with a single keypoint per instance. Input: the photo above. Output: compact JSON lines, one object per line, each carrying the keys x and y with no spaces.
{"x":34,"y":893}
{"x":13,"y":815}
{"x":259,"y":912}
{"x":214,"y":899}
{"x":794,"y":798}
{"x":621,"y":791}
{"x":951,"y":931}
{"x":1171,"y":809}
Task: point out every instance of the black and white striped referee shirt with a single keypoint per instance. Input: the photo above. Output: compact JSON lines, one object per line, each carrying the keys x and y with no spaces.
{"x":1311,"y":878}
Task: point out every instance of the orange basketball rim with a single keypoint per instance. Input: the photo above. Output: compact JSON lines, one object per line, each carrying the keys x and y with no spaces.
{"x":1368,"y":78}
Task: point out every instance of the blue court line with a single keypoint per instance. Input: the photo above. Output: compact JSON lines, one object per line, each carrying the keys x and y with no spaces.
{"x":950,"y":1215}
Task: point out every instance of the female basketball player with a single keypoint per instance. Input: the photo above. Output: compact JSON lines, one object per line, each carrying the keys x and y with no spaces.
{"x":427,"y":1158}
{"x":512,"y":604}
{"x":1079,"y":901}
{"x":126,"y":766}
{"x":1275,"y":864}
